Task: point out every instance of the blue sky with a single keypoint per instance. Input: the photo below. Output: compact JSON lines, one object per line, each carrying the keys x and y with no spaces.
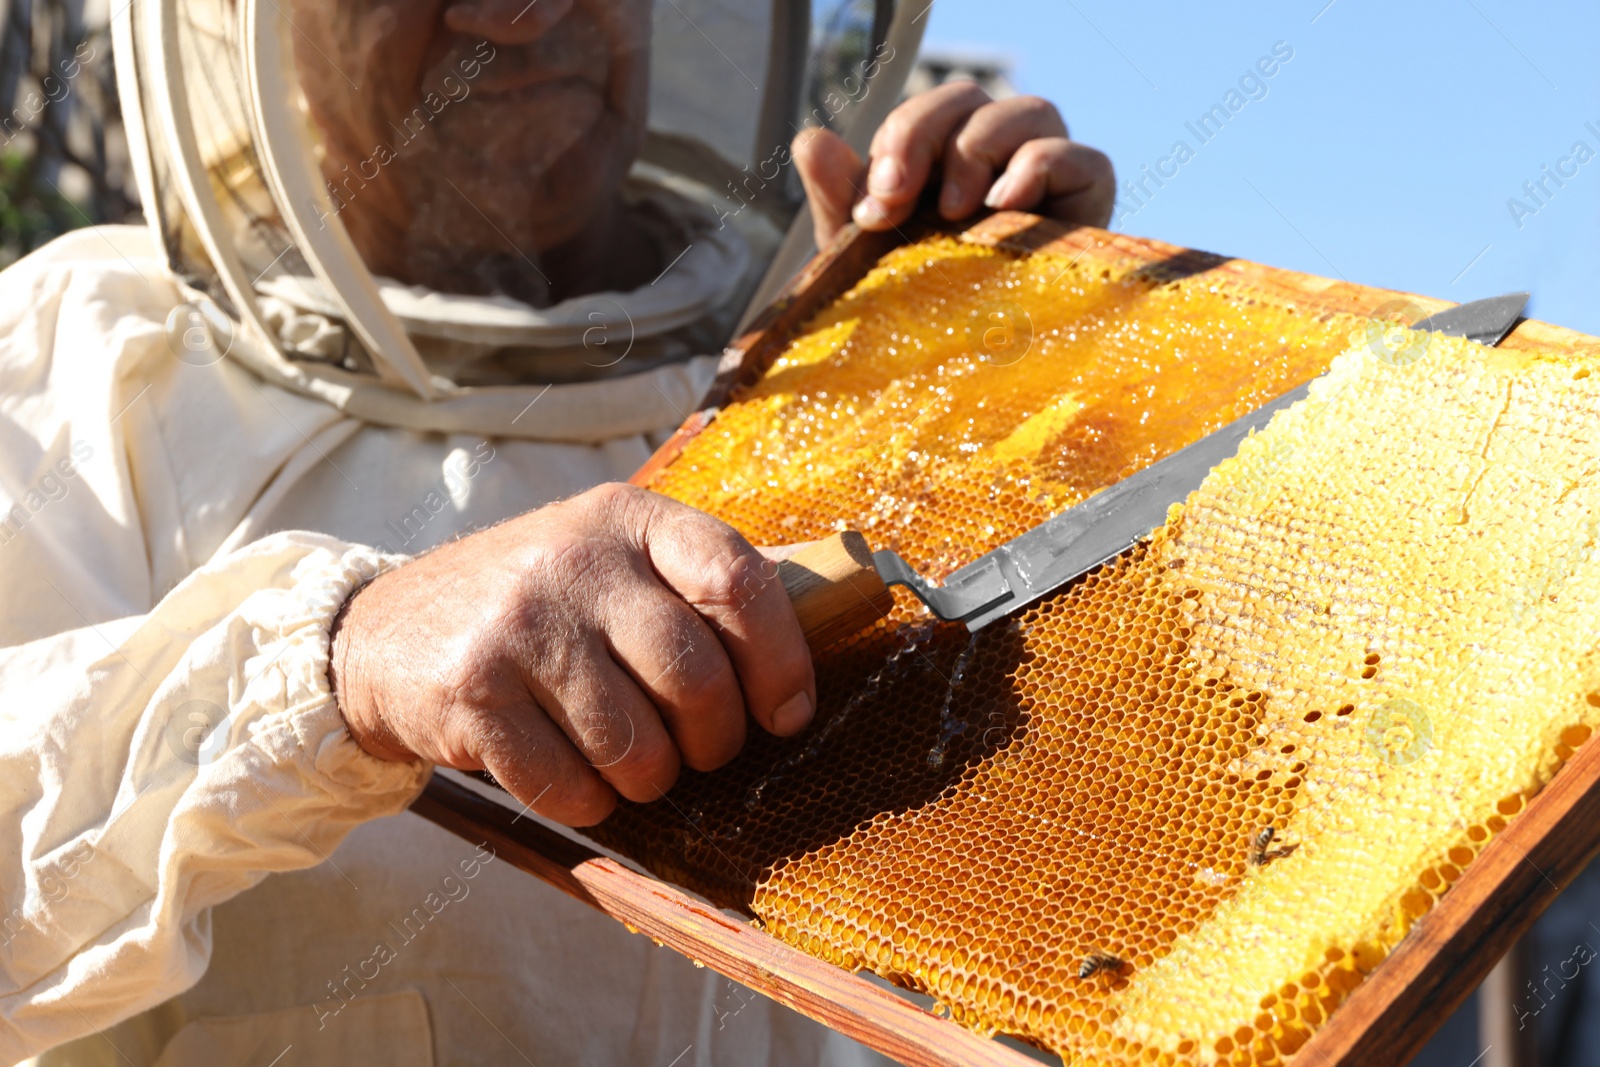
{"x":1385,"y":151}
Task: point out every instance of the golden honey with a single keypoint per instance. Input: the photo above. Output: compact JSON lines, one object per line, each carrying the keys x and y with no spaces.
{"x":1368,"y":632}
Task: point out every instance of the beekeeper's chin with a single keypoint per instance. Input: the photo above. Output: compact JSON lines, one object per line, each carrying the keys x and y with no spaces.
{"x":482,"y":147}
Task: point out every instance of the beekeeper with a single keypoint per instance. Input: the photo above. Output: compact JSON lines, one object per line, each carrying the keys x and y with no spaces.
{"x":266,"y":469}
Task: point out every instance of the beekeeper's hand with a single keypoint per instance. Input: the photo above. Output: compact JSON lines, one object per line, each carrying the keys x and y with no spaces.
{"x":579,"y":651}
{"x":1012,"y":153}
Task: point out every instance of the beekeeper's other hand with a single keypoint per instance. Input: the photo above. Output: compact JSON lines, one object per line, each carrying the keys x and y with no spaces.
{"x":580,"y":651}
{"x":1011,"y":153}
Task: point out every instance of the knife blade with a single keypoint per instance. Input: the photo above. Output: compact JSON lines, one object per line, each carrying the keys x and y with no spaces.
{"x":839,"y":582}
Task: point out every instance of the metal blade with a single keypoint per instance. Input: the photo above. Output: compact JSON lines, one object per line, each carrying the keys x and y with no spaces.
{"x":1485,"y":321}
{"x":1113,"y":520}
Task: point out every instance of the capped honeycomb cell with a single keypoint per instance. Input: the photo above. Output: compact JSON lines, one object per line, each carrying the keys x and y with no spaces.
{"x":1177,"y":811}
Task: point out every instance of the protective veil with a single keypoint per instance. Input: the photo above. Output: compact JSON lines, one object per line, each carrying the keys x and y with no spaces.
{"x":211,"y":431}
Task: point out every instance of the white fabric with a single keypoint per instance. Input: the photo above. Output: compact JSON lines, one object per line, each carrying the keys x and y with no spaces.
{"x":168,"y":741}
{"x":397,"y":1023}
{"x":598,"y":330}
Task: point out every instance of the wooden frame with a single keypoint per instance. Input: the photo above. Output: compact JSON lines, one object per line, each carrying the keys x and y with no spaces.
{"x":1385,"y":1020}
{"x":846,"y":1002}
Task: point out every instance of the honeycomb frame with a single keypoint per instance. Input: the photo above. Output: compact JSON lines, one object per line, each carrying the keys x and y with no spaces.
{"x":1552,"y":832}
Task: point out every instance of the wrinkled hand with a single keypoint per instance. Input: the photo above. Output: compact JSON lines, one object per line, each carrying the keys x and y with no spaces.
{"x":1022,"y":140}
{"x":579,"y":651}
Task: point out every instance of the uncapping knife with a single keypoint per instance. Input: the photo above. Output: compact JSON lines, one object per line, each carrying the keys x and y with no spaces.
{"x":839,"y":586}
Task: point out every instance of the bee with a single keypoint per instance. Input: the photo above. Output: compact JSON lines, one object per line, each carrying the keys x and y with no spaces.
{"x":1262,"y":852}
{"x":1095,"y":962}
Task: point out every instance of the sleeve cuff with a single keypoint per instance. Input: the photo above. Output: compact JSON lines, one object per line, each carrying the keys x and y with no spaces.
{"x":310,"y":731}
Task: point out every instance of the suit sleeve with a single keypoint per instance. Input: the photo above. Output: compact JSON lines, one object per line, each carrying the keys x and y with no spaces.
{"x":155,"y":765}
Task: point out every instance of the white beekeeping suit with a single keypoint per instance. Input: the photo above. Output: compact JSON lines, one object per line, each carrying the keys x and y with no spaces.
{"x":210,"y":432}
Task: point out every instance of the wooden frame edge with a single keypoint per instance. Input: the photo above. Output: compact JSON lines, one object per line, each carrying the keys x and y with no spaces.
{"x":1452,"y":948}
{"x":837,"y":998}
{"x":827,"y":276}
{"x":842,"y":264}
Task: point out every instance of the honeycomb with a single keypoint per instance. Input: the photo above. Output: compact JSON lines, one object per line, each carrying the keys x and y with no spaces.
{"x":1175,"y":812}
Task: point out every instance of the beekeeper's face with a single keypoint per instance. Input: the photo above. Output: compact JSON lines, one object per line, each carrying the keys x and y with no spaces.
{"x":465,"y":139}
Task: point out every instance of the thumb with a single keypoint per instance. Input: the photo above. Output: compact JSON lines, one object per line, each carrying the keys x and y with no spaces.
{"x":832,"y":173}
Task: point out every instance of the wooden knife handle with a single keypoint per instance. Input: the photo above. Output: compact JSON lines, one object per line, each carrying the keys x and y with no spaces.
{"x":835,"y":589}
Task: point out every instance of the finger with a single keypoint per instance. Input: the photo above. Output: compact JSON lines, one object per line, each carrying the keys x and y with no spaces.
{"x":831,"y":172}
{"x":607,"y":718}
{"x":539,"y":766}
{"x":675,"y":658}
{"x":905,"y":148}
{"x":984,"y":143}
{"x":1058,"y":178}
{"x":736,"y":590}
